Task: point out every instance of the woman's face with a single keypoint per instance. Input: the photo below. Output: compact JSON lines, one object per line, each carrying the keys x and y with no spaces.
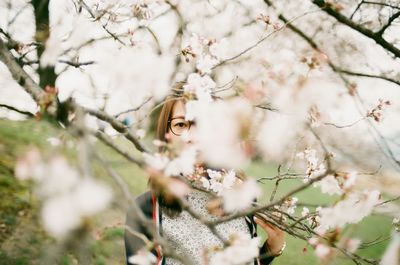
{"x":180,"y":131}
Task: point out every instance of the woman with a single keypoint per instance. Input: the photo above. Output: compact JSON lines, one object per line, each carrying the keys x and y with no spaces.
{"x":190,"y":237}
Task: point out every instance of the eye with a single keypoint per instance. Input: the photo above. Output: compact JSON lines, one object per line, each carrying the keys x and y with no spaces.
{"x":181,"y":125}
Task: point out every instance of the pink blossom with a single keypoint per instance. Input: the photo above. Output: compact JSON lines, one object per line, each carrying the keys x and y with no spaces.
{"x":352,"y":244}
{"x":322,"y":251}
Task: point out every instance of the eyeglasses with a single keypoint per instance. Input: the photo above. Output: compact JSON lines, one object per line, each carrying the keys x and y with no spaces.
{"x":179,"y":125}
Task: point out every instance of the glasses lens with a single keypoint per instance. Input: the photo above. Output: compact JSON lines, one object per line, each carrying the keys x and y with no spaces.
{"x":179,"y":126}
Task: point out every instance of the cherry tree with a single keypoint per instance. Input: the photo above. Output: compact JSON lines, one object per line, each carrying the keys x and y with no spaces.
{"x":311,"y":87}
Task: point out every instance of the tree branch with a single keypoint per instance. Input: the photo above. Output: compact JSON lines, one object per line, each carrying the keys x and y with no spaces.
{"x":19,"y":74}
{"x":366,"y":32}
{"x":334,"y":67}
{"x":17,"y":110}
{"x":24,"y":80}
{"x":118,"y":126}
{"x":391,"y":19}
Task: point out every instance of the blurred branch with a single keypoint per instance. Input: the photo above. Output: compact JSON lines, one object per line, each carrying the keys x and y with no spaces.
{"x":76,"y":64}
{"x":347,"y":72}
{"x":118,"y":126}
{"x":263,"y":39}
{"x":89,"y":10}
{"x":381,"y":4}
{"x":23,"y":79}
{"x":344,"y":126}
{"x":366,"y":32}
{"x":30,"y":114}
{"x":133,"y":109}
{"x":109,"y":142}
{"x":334,"y":67}
{"x":12,"y":20}
{"x":391,"y":19}
{"x":356,"y":9}
{"x":387,"y":201}
{"x":386,"y":150}
{"x":276,"y":202}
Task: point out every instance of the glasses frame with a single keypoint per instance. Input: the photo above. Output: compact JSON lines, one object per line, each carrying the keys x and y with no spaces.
{"x":170,"y":123}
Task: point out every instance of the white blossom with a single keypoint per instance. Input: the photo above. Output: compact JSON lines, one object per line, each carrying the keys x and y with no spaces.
{"x":183,"y":164}
{"x":219,"y":180}
{"x":243,"y":249}
{"x":218,"y":49}
{"x":290,"y":205}
{"x":305,"y":211}
{"x":67,"y":197}
{"x":156,"y":161}
{"x":352,"y":244}
{"x":322,"y":251}
{"x":59,"y":177}
{"x":60,"y":215}
{"x":219,"y":129}
{"x":314,"y":167}
{"x":349,"y":210}
{"x":29,"y":165}
{"x":143,"y":257}
{"x":205,"y":183}
{"x":216,"y":179}
{"x":91,"y":197}
{"x":54,"y":141}
{"x":350,"y":180}
{"x":52,"y":52}
{"x":205,"y":63}
{"x":140,"y":133}
{"x":313,"y":241}
{"x":196,"y":44}
{"x":194,"y":108}
{"x":241,"y":196}
{"x":201,"y":86}
{"x":229,"y":179}
{"x":329,"y":185}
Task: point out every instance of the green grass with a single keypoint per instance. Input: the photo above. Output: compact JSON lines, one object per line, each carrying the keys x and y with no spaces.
{"x":18,"y":208}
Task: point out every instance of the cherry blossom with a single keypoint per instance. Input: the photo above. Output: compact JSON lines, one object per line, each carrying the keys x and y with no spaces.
{"x":289,"y":205}
{"x":241,"y":196}
{"x":205,"y":64}
{"x":350,"y":180}
{"x":219,"y":180}
{"x":221,"y":148}
{"x":143,"y":257}
{"x":314,"y":166}
{"x":67,"y":197}
{"x":329,"y":185}
{"x":29,"y":165}
{"x":351,"y":209}
{"x":305,"y":211}
{"x":352,"y":244}
{"x":183,"y":164}
{"x":242,"y":249}
{"x":156,"y":161}
{"x":322,"y":251}
{"x":201,"y":86}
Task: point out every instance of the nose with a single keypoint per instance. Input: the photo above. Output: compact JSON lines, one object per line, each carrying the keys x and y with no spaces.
{"x":192,"y":134}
